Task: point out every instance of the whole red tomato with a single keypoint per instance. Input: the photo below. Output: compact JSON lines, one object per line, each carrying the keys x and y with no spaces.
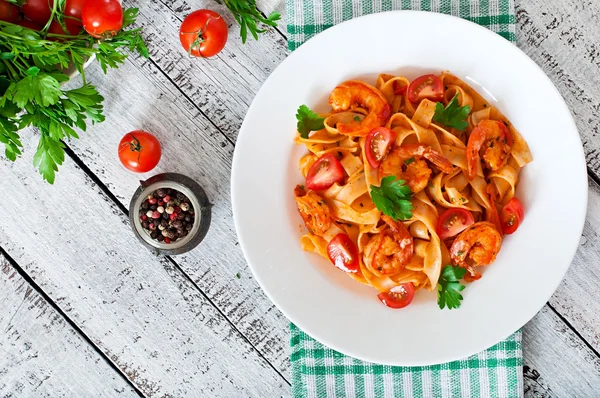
{"x":139,"y":151}
{"x":8,"y":11}
{"x":73,"y":28}
{"x":102,"y":18}
{"x":74,"y":8}
{"x":39,"y":11}
{"x":203,"y":33}
{"x":29,"y":24}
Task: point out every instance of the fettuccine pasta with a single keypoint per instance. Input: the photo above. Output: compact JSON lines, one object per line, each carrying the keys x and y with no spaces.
{"x":455,"y":156}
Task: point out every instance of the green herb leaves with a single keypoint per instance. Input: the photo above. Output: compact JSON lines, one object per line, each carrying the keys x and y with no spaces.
{"x":308,"y":121}
{"x":452,"y":115}
{"x":30,"y":86}
{"x":392,"y":198}
{"x":246,"y":14}
{"x":449,"y":288}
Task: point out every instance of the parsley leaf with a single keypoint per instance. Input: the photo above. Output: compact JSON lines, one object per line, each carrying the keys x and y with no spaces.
{"x":452,"y":115}
{"x":392,"y":198}
{"x":449,"y":288}
{"x":308,"y":121}
{"x":246,"y":14}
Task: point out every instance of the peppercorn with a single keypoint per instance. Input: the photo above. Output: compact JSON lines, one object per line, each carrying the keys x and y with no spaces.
{"x":149,"y":213}
{"x":177,"y":224}
{"x":176,"y":209}
{"x":160,"y":209}
{"x":179,"y":196}
{"x":161,"y":227}
{"x":154,"y":234}
{"x":167,"y":240}
{"x":188,"y":227}
{"x":184,"y":206}
{"x":160,"y":192}
{"x":189,"y":218}
{"x":144,"y":205}
{"x":165,"y":232}
{"x":160,"y":238}
{"x":173,"y":216}
{"x":150,"y":197}
{"x":164,"y":222}
{"x":165,"y":215}
{"x":167,"y":198}
{"x":152,"y":201}
{"x":180,"y":216}
{"x":143,"y":217}
{"x":169,"y":209}
{"x":155,"y":215}
{"x":145,"y":224}
{"x":152,"y":227}
{"x":153,"y":207}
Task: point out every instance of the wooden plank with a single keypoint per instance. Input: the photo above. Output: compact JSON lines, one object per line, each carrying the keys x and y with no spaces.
{"x":42,"y":355}
{"x":140,"y":310}
{"x":138,"y":95}
{"x":556,"y":362}
{"x":563,"y":38}
{"x":223,"y":86}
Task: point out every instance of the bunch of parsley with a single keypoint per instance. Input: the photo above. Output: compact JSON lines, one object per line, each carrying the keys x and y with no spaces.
{"x":31,"y":73}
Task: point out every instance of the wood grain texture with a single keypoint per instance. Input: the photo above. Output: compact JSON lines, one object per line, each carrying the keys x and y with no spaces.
{"x":41,"y":355}
{"x":191,"y":146}
{"x":138,"y":309}
{"x":563,"y":38}
{"x":556,"y":362}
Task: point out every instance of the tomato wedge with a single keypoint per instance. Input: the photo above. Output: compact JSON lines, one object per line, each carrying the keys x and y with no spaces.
{"x":511,"y":216}
{"x":453,"y":221}
{"x":426,"y":86}
{"x":378,"y":143}
{"x":326,"y":171}
{"x":343,"y":253}
{"x":398,"y":296}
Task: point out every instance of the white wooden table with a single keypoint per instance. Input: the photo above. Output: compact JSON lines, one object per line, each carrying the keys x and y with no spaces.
{"x":85,"y":310}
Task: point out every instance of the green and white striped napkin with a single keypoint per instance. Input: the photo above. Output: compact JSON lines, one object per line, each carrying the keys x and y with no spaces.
{"x":307,"y":18}
{"x":319,"y":371}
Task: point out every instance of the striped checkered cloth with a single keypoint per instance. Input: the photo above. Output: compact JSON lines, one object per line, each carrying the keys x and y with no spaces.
{"x":307,"y":18}
{"x":319,"y":371}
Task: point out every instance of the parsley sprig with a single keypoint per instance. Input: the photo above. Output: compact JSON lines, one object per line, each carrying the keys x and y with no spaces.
{"x":452,"y":115}
{"x":31,"y":73}
{"x":308,"y":121}
{"x":449,"y":288}
{"x":392,"y":198}
{"x":246,"y":14}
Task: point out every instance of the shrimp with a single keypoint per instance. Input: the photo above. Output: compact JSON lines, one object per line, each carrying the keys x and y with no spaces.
{"x":406,"y":162}
{"x":390,"y":250}
{"x":356,"y":93}
{"x":477,"y":245}
{"x":491,"y":140}
{"x":314,"y":211}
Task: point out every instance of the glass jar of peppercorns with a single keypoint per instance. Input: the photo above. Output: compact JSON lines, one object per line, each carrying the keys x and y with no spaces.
{"x":170,"y":213}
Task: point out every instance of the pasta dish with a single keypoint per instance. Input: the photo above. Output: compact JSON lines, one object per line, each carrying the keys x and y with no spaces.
{"x":409,"y":185}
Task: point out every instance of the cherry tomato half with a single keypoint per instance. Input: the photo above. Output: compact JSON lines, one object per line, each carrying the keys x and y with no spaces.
{"x":511,"y":216}
{"x":39,"y":11}
{"x":378,"y":143}
{"x":326,"y":171}
{"x":102,"y":18}
{"x":453,"y":221}
{"x":139,"y":151}
{"x":427,"y":86}
{"x":8,"y":12}
{"x":398,"y":296}
{"x":203,"y":33}
{"x":343,"y":253}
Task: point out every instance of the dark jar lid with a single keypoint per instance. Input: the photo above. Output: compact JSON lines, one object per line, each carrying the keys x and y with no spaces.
{"x":198,"y":199}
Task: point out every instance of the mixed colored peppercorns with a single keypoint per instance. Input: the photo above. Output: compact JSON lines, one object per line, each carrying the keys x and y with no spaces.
{"x":167,"y":215}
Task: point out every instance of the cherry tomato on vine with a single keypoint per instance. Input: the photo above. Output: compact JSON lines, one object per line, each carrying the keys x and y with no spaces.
{"x":102,"y":18}
{"x":29,"y":24}
{"x":203,"y":33}
{"x":73,"y":28}
{"x":139,"y":151}
{"x":8,"y":12}
{"x":39,"y":11}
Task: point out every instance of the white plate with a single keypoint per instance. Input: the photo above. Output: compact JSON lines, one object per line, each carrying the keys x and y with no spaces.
{"x":335,"y":309}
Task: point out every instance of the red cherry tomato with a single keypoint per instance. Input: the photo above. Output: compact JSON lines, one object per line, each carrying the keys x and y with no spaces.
{"x":427,"y":86}
{"x":139,"y":151}
{"x":74,"y":8}
{"x":326,"y":171}
{"x":203,"y":33}
{"x":511,"y":216}
{"x":39,"y":11}
{"x":102,"y":18}
{"x":453,"y":221}
{"x":343,"y":253}
{"x":73,"y":28}
{"x":29,"y":24}
{"x":8,"y":12}
{"x":398,"y":296}
{"x":378,"y":143}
